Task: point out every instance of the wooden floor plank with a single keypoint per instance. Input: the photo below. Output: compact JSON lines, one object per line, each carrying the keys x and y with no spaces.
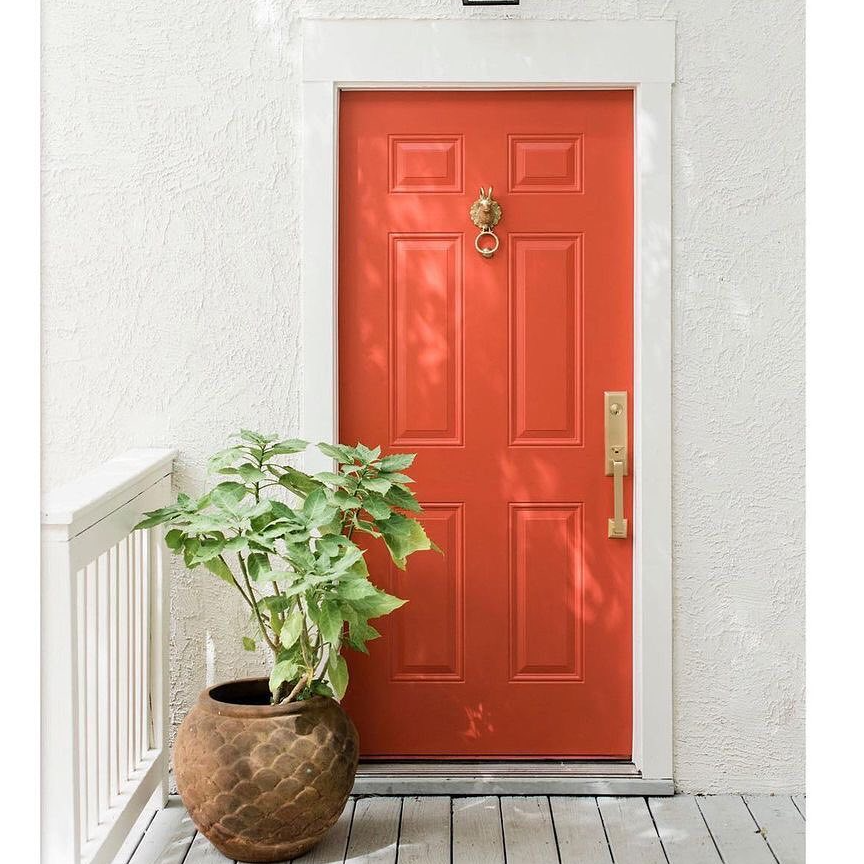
{"x":202,"y":851}
{"x":424,"y":835}
{"x":682,"y":831}
{"x":331,"y":850}
{"x":374,"y":831}
{"x":734,"y":831}
{"x":135,"y":835}
{"x":579,"y":829}
{"x":168,"y":838}
{"x":529,"y":837}
{"x":800,"y":802}
{"x":477,"y":836}
{"x":781,"y":824}
{"x":631,"y":832}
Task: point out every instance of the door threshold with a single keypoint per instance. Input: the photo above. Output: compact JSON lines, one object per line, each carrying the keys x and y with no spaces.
{"x":506,"y":778}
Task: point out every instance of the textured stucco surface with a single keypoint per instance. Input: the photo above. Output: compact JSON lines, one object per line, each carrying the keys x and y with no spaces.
{"x":170,"y":304}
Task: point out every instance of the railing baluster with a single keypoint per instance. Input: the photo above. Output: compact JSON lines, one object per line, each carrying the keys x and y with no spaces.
{"x":80,"y":595}
{"x":123,"y":660}
{"x":103,"y":727}
{"x":114,"y":678}
{"x":130,"y":657}
{"x":143,"y":734}
{"x":91,"y":718}
{"x":136,"y":641}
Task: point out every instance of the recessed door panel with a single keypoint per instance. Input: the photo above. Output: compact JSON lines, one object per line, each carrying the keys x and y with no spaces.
{"x":546,"y":592}
{"x":516,"y":643}
{"x":546,"y":339}
{"x":426,"y":338}
{"x":427,"y":642}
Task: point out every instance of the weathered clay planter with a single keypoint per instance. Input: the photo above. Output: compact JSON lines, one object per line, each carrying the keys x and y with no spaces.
{"x":264,"y":782}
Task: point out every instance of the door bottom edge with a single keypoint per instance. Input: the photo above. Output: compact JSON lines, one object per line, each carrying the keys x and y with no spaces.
{"x":496,"y":778}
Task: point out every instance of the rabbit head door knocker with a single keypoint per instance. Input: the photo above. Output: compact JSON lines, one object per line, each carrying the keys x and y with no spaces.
{"x":485,"y":213}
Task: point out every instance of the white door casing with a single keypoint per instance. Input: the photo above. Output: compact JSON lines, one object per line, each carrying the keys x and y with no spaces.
{"x":507,"y":54}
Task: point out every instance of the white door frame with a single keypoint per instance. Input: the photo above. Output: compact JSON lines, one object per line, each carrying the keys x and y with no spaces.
{"x":523,"y":54}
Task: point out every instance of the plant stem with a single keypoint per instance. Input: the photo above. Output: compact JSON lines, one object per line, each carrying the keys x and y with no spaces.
{"x":297,"y":688}
{"x":236,"y":583}
{"x":255,"y":609}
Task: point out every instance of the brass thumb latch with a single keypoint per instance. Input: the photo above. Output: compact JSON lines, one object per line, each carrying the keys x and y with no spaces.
{"x":485,"y":213}
{"x":615,"y":456}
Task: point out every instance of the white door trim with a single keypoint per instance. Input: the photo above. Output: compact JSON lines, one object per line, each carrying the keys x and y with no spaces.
{"x":503,"y":54}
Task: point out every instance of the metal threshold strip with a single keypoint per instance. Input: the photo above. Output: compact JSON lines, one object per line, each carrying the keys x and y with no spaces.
{"x":506,"y":778}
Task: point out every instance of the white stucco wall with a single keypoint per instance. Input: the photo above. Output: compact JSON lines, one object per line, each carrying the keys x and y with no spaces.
{"x":171,"y":309}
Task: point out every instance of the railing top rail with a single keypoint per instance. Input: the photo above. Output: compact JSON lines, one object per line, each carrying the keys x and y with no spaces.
{"x":76,"y":506}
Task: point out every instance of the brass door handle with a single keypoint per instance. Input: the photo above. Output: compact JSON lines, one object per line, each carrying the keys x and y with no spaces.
{"x":618,"y":524}
{"x":615,"y":457}
{"x":485,"y":213}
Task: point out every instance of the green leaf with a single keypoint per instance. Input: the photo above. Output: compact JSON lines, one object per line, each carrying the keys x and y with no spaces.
{"x":316,"y":509}
{"x":337,"y":671}
{"x":378,"y":604}
{"x":285,"y":670}
{"x":330,"y":477}
{"x":287,"y":447}
{"x":344,"y":501}
{"x":208,"y":549}
{"x":221,"y":569}
{"x":157,"y":517}
{"x":208,"y":523}
{"x":365,"y":455}
{"x":174,"y":539}
{"x":251,"y":473}
{"x":225,"y":458}
{"x":359,"y":633}
{"x":291,"y":629}
{"x":396,"y":477}
{"x":236,"y":543}
{"x":297,"y":481}
{"x":185,"y":503}
{"x":376,"y":507}
{"x":321,"y":688}
{"x":403,"y":536}
{"x":258,"y":565}
{"x":190,"y":547}
{"x":275,"y":604}
{"x":402,"y":498}
{"x":355,"y":589}
{"x":346,"y":560}
{"x":377,"y":484}
{"x":256,"y":437}
{"x":330,"y":623}
{"x":226,"y":496}
{"x":339,"y":452}
{"x":368,"y":527}
{"x":396,"y":461}
{"x":248,"y":644}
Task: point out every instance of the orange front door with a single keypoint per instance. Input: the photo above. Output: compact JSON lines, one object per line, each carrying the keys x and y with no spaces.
{"x":517,"y":642}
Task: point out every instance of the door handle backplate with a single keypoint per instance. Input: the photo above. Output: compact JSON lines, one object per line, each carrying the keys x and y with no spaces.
{"x":616,"y":457}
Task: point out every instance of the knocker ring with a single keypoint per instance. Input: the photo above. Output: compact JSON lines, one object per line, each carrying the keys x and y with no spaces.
{"x":485,"y":213}
{"x":487,"y":251}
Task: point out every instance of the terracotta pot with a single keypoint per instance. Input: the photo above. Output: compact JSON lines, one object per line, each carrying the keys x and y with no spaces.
{"x":264,"y":782}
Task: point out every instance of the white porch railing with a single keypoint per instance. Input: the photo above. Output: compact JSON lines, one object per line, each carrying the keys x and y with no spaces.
{"x":105,"y":611}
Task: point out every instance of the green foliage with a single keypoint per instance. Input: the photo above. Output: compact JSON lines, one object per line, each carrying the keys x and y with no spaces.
{"x":296,"y":563}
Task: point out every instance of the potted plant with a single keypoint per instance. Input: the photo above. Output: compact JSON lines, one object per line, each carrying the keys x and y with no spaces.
{"x":265,"y":766}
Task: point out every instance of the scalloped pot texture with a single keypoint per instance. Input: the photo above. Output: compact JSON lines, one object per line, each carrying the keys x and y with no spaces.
{"x":171,"y":311}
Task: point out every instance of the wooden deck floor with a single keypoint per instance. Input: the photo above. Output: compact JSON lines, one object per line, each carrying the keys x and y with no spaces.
{"x":721,"y":829}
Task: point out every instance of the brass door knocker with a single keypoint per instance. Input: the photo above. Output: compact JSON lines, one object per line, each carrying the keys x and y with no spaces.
{"x":485,"y":213}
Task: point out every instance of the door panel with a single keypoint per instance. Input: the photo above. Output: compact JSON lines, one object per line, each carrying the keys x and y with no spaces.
{"x":517,"y":642}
